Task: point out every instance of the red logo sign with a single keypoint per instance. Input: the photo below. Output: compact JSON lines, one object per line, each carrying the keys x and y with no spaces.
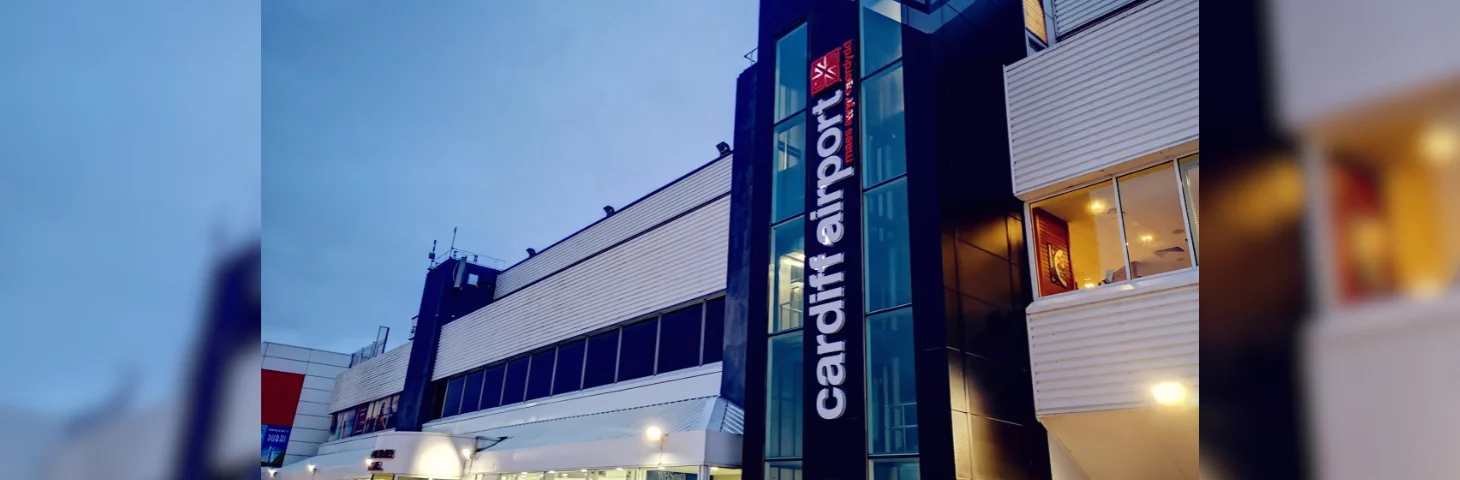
{"x":825,"y":71}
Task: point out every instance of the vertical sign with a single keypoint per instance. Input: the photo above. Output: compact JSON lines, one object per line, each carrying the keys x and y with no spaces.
{"x":835,"y":439}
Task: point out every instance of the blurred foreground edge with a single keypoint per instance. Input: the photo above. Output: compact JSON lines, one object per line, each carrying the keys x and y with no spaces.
{"x":229,"y":335}
{"x":1254,"y":286}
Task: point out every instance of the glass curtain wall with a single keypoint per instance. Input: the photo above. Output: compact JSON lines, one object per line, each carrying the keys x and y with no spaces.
{"x":891,"y":384}
{"x":785,"y":267}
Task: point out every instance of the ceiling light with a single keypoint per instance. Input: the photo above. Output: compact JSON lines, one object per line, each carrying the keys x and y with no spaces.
{"x":654,"y":433}
{"x":1440,"y":144}
{"x":1097,"y":207}
{"x":1169,"y":393}
{"x":1147,"y":239}
{"x":1089,"y":285}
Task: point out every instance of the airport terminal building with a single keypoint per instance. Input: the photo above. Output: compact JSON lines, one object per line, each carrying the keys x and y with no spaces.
{"x":956,"y":239}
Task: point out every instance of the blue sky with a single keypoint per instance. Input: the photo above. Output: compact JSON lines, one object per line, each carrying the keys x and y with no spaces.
{"x":387,"y":123}
{"x":130,"y":159}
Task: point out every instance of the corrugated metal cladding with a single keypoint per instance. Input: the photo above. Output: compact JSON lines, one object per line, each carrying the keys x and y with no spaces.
{"x":375,"y":378}
{"x":1071,"y":14}
{"x":1106,"y":355}
{"x":1128,"y":87}
{"x":695,"y":189}
{"x":676,"y":262}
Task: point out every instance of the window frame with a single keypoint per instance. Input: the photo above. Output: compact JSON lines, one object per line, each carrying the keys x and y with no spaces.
{"x":1173,"y":163}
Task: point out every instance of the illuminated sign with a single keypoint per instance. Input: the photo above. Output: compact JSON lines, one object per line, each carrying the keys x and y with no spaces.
{"x":835,"y":183}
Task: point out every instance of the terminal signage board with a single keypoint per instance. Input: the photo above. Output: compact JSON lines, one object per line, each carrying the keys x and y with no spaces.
{"x":835,"y":439}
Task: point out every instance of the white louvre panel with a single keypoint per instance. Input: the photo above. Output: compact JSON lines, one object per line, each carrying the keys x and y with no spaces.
{"x":678,"y":261}
{"x":1128,"y":88}
{"x":1336,"y":58}
{"x":375,"y":378}
{"x":676,"y":198}
{"x":1071,"y":14}
{"x":1102,"y":349}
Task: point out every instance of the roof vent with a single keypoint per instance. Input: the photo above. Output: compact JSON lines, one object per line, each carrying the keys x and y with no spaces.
{"x":607,"y":210}
{"x":723,"y":147}
{"x":531,"y":252}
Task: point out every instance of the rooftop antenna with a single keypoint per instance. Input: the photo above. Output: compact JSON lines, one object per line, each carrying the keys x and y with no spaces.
{"x":432,"y":255}
{"x":453,"y":239}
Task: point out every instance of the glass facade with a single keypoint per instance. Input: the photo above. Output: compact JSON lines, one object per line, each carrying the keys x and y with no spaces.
{"x":602,"y":363}
{"x":791,"y":73}
{"x":788,"y":183}
{"x":492,"y":387}
{"x":516,"y":385}
{"x":881,"y":33}
{"x":679,"y":339}
{"x":783,"y":471}
{"x":569,"y":374}
{"x":891,"y":383}
{"x":471,"y":393}
{"x":540,"y":375}
{"x":888,"y":252}
{"x":892,"y":394}
{"x":784,"y":386}
{"x":684,"y":338}
{"x":636,"y":353}
{"x":788,"y":261}
{"x":884,"y":147}
{"x":369,"y":417}
{"x":895,"y":469}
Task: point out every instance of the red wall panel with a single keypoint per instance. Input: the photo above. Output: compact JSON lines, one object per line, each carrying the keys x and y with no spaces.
{"x":280,"y":392}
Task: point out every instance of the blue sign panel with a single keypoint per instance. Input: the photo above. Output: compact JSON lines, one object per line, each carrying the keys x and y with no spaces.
{"x":274,"y":440}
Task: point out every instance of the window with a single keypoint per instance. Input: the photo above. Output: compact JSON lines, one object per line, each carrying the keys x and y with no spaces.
{"x":453,"y":397}
{"x":788,"y":180}
{"x":679,"y":339}
{"x":516,"y":382}
{"x":783,"y":471}
{"x":791,"y":73}
{"x":373,"y":416}
{"x":1189,"y":166}
{"x":881,"y":33}
{"x":1155,"y":230}
{"x":1034,"y":19}
{"x":540,"y":374}
{"x":783,"y":412}
{"x":602,"y":359}
{"x":1132,"y":227}
{"x":889,"y":269}
{"x":569,"y":376}
{"x":892,"y":395}
{"x":492,"y":386}
{"x":884,"y":147}
{"x":714,"y":330}
{"x":895,"y":469}
{"x":637,"y":358}
{"x":471,"y":395}
{"x":788,"y":258}
{"x":1077,"y":240}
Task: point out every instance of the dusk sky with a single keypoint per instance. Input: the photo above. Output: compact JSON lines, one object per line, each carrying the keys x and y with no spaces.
{"x":385,"y":124}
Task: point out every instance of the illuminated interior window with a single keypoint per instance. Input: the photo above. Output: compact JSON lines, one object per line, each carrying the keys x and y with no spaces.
{"x":1034,"y":18}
